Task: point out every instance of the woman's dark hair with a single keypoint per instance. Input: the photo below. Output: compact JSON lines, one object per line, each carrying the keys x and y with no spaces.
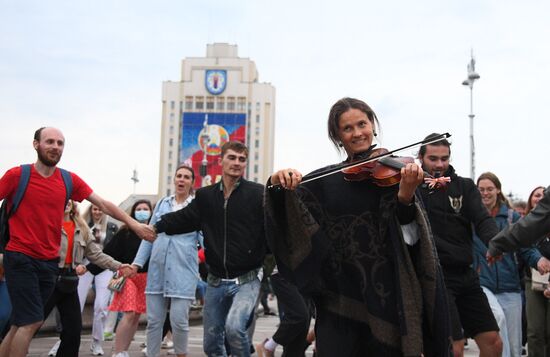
{"x":443,"y":142}
{"x":190,"y":169}
{"x":494,"y":179}
{"x":137,"y":203}
{"x":342,"y":106}
{"x":187,"y":167}
{"x":529,"y":205}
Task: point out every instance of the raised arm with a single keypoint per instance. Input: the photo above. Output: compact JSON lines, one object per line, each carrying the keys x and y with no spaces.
{"x":185,"y":220}
{"x":142,"y":230}
{"x":526,"y":232}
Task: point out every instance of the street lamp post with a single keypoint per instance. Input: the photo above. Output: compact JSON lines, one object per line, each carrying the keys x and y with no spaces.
{"x":135,"y":179}
{"x":469,"y":81}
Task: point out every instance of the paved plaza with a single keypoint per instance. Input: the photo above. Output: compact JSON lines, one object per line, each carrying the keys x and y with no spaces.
{"x":265,"y":327}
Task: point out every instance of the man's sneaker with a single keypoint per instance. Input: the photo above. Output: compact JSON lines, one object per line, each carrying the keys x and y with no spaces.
{"x":108,"y":336}
{"x":261,"y":351}
{"x":144,"y":351}
{"x":171,"y":352}
{"x":121,"y":354}
{"x":54,"y":349}
{"x":96,"y":348}
{"x":167,"y":344}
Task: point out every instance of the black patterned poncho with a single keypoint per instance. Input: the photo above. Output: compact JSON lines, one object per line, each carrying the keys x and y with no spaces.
{"x":342,"y":243}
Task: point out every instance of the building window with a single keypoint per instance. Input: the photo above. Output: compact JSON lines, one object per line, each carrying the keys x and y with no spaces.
{"x":241,"y":104}
{"x":257,"y":143}
{"x":169,"y":167}
{"x":257,"y":130}
{"x":257,"y":106}
{"x":171,"y":130}
{"x":172,"y":105}
{"x":210,"y":103}
{"x":188,"y":103}
{"x":168,"y":192}
{"x":231,"y":103}
{"x":171,"y":142}
{"x":255,"y":169}
{"x":169,"y":180}
{"x":199,"y":103}
{"x":256,"y":156}
{"x":170,"y":155}
{"x":171,"y":117}
{"x":257,"y":119}
{"x":181,"y":106}
{"x":220,"y":103}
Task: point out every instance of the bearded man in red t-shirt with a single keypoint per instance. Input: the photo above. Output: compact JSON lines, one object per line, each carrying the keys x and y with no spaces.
{"x":30,"y":259}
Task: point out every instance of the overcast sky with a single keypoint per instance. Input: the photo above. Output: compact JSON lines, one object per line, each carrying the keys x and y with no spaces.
{"x":95,"y":70}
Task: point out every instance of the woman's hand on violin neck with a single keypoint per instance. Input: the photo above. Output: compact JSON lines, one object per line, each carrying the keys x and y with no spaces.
{"x":287,"y":178}
{"x":411,"y":176}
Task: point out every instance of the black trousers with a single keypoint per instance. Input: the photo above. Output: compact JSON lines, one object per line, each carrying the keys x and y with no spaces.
{"x":294,"y":315}
{"x":71,"y":319}
{"x":338,"y":336}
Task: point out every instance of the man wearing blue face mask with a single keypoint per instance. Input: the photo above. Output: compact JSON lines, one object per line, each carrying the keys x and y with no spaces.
{"x":230,"y":215}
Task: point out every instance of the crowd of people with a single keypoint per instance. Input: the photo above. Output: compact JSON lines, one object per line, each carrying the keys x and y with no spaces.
{"x":407,"y":265}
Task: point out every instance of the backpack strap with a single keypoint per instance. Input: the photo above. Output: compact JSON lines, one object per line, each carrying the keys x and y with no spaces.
{"x":68,"y":180}
{"x":21,"y":188}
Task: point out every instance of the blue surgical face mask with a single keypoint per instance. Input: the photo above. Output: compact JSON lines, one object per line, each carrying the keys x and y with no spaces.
{"x":142,"y":216}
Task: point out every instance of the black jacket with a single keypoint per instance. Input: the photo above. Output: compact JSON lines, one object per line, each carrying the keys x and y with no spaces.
{"x":234,"y":235}
{"x":452,"y":212}
{"x":527,"y":231}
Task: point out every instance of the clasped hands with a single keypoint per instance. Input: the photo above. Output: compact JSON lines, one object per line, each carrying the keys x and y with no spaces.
{"x":128,"y":270}
{"x":145,"y":231}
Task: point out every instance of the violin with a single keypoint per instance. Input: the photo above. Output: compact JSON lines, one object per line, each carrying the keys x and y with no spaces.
{"x":386,"y":171}
{"x":380,"y":164}
{"x":383,"y":172}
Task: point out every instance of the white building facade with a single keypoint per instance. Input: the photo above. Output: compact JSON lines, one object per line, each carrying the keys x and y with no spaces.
{"x":218,"y":98}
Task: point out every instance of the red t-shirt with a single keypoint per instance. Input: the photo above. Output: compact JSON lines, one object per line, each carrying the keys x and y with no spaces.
{"x":69,"y":228}
{"x":35,"y":228}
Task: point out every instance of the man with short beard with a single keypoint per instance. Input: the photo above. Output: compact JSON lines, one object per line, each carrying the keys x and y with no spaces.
{"x":32,"y":252}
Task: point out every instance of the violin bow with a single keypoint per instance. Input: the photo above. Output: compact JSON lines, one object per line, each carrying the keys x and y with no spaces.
{"x":334,"y":170}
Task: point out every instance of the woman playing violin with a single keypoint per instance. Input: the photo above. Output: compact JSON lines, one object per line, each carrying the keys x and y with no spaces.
{"x":363,"y":252}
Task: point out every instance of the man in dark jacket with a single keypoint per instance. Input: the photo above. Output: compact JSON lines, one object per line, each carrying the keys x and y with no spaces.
{"x":532,"y":228}
{"x":452,"y":212}
{"x":230,"y":215}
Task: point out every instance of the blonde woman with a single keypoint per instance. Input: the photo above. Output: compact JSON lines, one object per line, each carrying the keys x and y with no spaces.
{"x":102,"y":232}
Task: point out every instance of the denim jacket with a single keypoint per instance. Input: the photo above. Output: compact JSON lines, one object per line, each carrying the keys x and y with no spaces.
{"x":173,"y":259}
{"x":503,"y":276}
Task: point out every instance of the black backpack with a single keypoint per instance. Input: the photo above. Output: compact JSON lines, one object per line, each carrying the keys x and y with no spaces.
{"x":21,"y":188}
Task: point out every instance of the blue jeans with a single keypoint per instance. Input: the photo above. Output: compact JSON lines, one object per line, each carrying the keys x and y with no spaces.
{"x":227,"y":309}
{"x":201,"y":289}
{"x":157,"y":306}
{"x":507,"y":310}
